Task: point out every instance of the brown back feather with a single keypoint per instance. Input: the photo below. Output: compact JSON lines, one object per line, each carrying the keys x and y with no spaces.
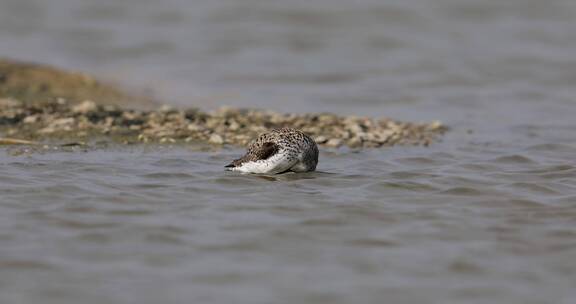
{"x":259,"y":152}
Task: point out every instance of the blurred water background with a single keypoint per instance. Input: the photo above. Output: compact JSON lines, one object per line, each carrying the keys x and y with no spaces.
{"x":486,"y":216}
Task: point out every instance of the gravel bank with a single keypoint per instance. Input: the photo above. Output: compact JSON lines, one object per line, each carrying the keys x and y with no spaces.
{"x":87,"y":120}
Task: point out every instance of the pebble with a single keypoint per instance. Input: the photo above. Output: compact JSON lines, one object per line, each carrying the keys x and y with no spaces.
{"x":216,"y":139}
{"x":84,"y":107}
{"x":334,"y":142}
{"x":30,"y":119}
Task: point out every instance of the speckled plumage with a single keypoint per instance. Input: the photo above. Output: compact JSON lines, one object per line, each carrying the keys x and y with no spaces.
{"x":278,"y":151}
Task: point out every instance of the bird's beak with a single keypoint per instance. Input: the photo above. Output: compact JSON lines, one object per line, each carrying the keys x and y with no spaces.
{"x":230,"y":165}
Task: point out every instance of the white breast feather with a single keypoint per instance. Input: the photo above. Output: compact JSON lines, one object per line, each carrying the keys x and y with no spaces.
{"x":277,"y":163}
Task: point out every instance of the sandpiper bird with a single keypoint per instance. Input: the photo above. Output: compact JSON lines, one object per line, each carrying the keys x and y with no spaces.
{"x":278,"y":151}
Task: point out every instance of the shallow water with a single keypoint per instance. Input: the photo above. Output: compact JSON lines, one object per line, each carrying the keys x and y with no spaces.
{"x":488,"y":215}
{"x":411,"y":225}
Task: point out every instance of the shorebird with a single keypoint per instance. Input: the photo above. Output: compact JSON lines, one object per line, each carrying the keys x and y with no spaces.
{"x":278,"y":151}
